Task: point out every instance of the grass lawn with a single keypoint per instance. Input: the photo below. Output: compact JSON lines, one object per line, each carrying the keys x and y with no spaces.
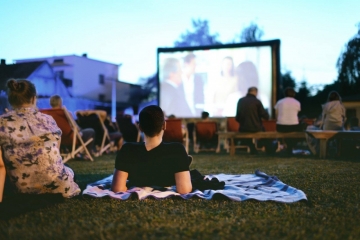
{"x":331,"y":212}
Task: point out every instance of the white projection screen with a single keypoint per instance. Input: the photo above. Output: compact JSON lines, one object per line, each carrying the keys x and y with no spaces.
{"x":213,"y":78}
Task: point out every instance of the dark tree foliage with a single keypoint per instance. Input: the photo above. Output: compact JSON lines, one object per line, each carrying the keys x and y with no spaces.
{"x":149,"y":88}
{"x":303,"y":91}
{"x":288,"y":80}
{"x":199,"y":36}
{"x":348,"y":66}
{"x":251,"y":33}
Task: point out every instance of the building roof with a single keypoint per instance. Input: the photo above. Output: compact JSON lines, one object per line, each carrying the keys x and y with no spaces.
{"x":84,"y":56}
{"x":19,"y":70}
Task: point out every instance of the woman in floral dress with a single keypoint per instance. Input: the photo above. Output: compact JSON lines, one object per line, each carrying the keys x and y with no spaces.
{"x":30,"y":142}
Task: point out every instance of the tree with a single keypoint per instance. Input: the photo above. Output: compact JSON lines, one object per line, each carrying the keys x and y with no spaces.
{"x":251,"y":33}
{"x":149,"y":88}
{"x":348,"y":65}
{"x":200,"y":36}
{"x":303,"y":91}
{"x":288,"y":80}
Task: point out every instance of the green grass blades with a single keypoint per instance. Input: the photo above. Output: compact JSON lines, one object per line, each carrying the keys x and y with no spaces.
{"x":331,"y":212}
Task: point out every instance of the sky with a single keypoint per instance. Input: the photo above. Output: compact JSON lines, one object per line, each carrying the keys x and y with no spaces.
{"x":312,"y":33}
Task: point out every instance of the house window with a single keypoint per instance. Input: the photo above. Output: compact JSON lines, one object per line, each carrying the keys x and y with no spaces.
{"x":60,"y":74}
{"x":67,"y":82}
{"x":101,"y":79}
{"x":59,"y":60}
{"x":101,"y":97}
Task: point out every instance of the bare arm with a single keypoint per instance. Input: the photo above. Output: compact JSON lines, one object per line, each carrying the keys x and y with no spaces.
{"x":2,"y":176}
{"x":119,"y":181}
{"x":183,"y":182}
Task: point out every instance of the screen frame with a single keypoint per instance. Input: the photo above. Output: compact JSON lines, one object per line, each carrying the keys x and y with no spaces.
{"x":275,"y":64}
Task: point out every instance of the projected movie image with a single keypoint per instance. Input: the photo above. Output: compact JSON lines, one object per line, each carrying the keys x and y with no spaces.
{"x":213,"y":80}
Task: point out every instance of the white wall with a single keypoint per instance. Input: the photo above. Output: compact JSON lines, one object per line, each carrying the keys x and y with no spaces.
{"x":85,"y":75}
{"x":44,"y":80}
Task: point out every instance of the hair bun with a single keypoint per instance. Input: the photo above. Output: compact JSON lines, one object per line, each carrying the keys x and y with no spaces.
{"x":14,"y":85}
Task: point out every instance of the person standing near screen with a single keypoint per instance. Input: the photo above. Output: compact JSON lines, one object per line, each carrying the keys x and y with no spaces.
{"x":172,"y":96}
{"x":193,"y":85}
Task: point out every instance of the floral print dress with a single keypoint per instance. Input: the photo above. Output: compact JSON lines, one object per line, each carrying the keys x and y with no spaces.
{"x":29,"y":141}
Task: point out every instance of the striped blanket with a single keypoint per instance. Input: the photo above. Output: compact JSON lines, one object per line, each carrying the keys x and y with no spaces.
{"x":258,"y":186}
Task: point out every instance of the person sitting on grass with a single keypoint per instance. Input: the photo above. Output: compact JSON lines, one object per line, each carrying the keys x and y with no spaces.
{"x":153,"y":162}
{"x":29,"y":147}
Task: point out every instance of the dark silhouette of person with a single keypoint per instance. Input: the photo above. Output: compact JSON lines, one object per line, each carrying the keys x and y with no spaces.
{"x":249,"y":114}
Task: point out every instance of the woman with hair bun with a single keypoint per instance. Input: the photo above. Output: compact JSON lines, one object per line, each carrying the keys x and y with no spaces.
{"x":30,"y":142}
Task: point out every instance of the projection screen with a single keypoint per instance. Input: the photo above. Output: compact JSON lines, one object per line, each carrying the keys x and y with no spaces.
{"x":214,"y":78}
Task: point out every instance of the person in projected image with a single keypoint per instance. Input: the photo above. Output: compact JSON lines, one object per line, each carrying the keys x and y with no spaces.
{"x":172,"y":96}
{"x":193,"y":85}
{"x":247,"y":76}
{"x":226,"y":85}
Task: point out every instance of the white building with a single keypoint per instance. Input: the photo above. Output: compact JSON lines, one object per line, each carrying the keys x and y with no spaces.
{"x":87,"y":78}
{"x":38,"y":72}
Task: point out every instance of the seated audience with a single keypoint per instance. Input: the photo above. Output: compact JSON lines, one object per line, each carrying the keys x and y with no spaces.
{"x":205,"y":116}
{"x":114,"y":135}
{"x":86,"y":134}
{"x":249,"y":114}
{"x":153,"y":162}
{"x":30,"y":142}
{"x":286,"y":112}
{"x":333,"y":114}
{"x":128,"y":129}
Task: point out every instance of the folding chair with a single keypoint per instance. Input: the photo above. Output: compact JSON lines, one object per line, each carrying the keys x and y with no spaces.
{"x":92,"y":119}
{"x":129,"y":131}
{"x":205,"y":137}
{"x":233,"y":126}
{"x":175,"y":132}
{"x":70,"y":132}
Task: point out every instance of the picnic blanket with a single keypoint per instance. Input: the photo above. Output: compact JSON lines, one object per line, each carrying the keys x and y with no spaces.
{"x":258,"y":186}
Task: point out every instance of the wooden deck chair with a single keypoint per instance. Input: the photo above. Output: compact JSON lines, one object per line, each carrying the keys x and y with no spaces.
{"x":130,"y":131}
{"x":92,"y":119}
{"x":175,"y":132}
{"x":205,"y":137}
{"x":70,"y":133}
{"x":233,"y":126}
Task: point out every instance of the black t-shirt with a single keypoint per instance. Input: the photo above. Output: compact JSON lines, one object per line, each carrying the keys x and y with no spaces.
{"x":155,"y":167}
